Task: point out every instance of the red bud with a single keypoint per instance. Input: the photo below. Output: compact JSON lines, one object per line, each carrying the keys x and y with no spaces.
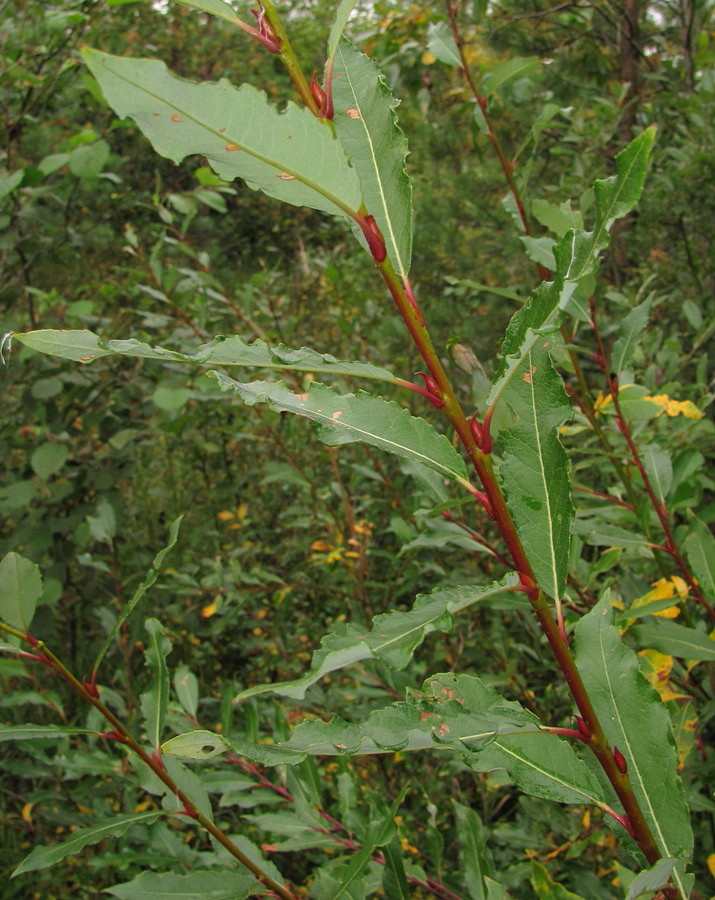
{"x":374,"y":238}
{"x":583,"y":729}
{"x":318,"y":93}
{"x":477,"y":432}
{"x":620,"y":761}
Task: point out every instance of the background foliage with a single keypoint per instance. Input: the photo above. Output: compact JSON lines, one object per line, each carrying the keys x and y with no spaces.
{"x":283,"y":537}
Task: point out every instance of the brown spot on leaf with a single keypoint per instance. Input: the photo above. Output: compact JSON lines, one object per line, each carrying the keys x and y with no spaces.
{"x":528,"y":376}
{"x":231,"y":147}
{"x":284,"y":176}
{"x":336,"y":415}
{"x":352,"y":113}
{"x":177,"y":118}
{"x":86,"y":358}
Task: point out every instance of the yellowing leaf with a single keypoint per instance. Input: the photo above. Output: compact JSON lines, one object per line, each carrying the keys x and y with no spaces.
{"x":657,"y":669}
{"x":26,"y":813}
{"x":225,"y":515}
{"x":676,"y":407}
{"x":711,"y":864}
{"x":209,"y":610}
{"x":241,"y":511}
{"x":321,"y":547}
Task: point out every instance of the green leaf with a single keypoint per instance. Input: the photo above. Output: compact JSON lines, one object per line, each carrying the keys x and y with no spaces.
{"x":513,"y":68}
{"x":472,"y":837}
{"x":88,"y":160}
{"x":452,"y":712}
{"x":659,"y":469}
{"x":186,"y":686}
{"x":630,"y":334}
{"x":8,"y":183}
{"x":700,"y":550}
{"x":20,"y":589}
{"x":215,"y":7}
{"x":601,"y":534}
{"x":636,"y":721}
{"x":39,"y":732}
{"x":189,"y":783}
{"x":440,"y":43}
{"x":366,"y":126}
{"x":393,"y":638}
{"x":148,"y":582}
{"x":576,"y":257}
{"x":545,"y":888}
{"x":203,"y":745}
{"x":675,"y":640}
{"x":350,"y":418}
{"x":85,"y":347}
{"x":535,"y":471}
{"x":42,"y":857}
{"x":394,"y":880}
{"x":558,"y":219}
{"x":154,"y":702}
{"x":288,"y":155}
{"x":652,"y":879}
{"x":48,"y":459}
{"x":205,"y":884}
{"x":342,"y":14}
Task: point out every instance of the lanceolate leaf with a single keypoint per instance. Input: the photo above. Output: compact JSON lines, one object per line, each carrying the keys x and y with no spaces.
{"x":453,"y":712}
{"x":513,"y":68}
{"x":155,"y":701}
{"x":659,"y":469}
{"x":535,"y":470}
{"x":39,"y":732}
{"x":367,"y":128}
{"x":42,"y":857}
{"x":341,"y":20}
{"x":85,"y":346}
{"x":393,"y":637}
{"x":637,"y":722}
{"x":215,"y":7}
{"x":148,"y":582}
{"x":440,"y":43}
{"x":700,"y":549}
{"x":576,"y":256}
{"x":20,"y":589}
{"x":345,"y":419}
{"x":207,"y":884}
{"x":290,"y":156}
{"x":675,"y":640}
{"x":631,"y":332}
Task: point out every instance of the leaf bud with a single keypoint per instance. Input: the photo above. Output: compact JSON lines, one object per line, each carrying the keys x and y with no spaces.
{"x":620,"y":761}
{"x":374,"y":238}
